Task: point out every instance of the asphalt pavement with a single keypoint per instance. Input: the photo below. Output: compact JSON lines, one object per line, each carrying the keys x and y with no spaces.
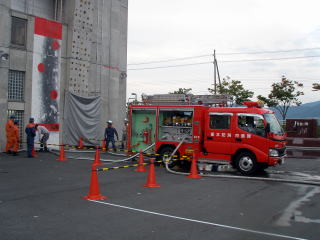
{"x":41,"y":198}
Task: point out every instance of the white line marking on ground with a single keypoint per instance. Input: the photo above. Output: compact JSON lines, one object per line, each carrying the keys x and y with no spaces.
{"x":199,"y":221}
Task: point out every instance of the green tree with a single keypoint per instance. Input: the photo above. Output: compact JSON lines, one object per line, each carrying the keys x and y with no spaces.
{"x":235,"y":89}
{"x":283,"y":95}
{"x":316,"y":86}
{"x":186,"y":91}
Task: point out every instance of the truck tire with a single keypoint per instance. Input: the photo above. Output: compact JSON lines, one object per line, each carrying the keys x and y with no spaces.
{"x":246,"y":163}
{"x":167,"y":151}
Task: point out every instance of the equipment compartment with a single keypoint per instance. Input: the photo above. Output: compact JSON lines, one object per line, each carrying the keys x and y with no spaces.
{"x":175,"y":124}
{"x":143,"y":128}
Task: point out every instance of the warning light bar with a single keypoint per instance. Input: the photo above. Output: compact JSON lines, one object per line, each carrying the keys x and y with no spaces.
{"x":258,"y":104}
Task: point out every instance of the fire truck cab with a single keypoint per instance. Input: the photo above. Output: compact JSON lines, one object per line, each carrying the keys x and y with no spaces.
{"x":249,"y":138}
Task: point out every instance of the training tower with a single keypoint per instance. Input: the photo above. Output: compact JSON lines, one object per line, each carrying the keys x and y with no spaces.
{"x":57,"y":52}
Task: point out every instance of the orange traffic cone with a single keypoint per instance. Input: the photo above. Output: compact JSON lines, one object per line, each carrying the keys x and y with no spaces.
{"x":151,"y":181}
{"x":104,"y":146}
{"x":34,"y":154}
{"x":80,"y":143}
{"x":61,"y":155}
{"x":194,"y":170}
{"x":141,"y":167}
{"x":94,"y":192}
{"x":97,"y":160}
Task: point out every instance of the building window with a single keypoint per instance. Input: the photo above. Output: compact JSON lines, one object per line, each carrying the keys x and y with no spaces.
{"x":16,"y":85}
{"x":18,"y":31}
{"x":220,"y":121}
{"x":19,"y":114}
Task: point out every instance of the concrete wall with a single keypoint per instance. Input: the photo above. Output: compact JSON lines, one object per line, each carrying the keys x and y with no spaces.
{"x":40,"y":8}
{"x":97,"y":63}
{"x":80,"y":29}
{"x":93,"y":56}
{"x":5,"y":22}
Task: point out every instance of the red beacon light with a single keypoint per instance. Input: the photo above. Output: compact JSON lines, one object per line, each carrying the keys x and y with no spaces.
{"x":249,"y":104}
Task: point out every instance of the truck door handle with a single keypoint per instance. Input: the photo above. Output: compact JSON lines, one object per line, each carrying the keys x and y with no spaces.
{"x":238,"y":139}
{"x":210,"y":138}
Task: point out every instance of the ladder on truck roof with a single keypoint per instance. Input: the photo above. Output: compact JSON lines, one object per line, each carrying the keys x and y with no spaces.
{"x":182,"y":99}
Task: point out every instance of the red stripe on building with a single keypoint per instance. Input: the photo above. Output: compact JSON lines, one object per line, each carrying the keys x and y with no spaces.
{"x":113,"y":68}
{"x":47,"y":28}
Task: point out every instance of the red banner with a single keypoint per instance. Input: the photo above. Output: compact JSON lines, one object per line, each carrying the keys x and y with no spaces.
{"x":48,"y":28}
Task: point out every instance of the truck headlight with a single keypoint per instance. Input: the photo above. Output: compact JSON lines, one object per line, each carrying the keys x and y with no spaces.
{"x":273,"y":152}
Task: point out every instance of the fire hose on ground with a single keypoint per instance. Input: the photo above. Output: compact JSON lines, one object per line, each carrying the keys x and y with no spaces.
{"x":91,"y":151}
{"x":167,"y":162}
{"x":110,"y":160}
{"x":237,"y":177}
{"x":248,"y":178}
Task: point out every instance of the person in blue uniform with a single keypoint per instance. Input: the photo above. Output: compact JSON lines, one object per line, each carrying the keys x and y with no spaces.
{"x":31,"y":133}
{"x":109,"y":133}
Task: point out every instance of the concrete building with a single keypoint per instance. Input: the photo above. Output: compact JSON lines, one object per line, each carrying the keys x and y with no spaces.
{"x":83,"y":48}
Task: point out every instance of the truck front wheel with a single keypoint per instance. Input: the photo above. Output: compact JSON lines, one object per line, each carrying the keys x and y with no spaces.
{"x":165,"y":154}
{"x":246,"y":163}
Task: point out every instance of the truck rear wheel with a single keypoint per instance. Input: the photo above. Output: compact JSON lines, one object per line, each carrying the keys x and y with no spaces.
{"x":246,"y":163}
{"x":165,"y":154}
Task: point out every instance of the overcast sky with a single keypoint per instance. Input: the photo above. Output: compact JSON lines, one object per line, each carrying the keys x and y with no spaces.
{"x":169,"y":29}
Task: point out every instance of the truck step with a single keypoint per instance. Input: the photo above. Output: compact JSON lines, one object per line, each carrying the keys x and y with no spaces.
{"x":209,"y":167}
{"x":217,"y":161}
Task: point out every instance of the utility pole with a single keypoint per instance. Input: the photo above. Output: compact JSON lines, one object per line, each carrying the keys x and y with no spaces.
{"x":215,"y":72}
{"x":218,"y":71}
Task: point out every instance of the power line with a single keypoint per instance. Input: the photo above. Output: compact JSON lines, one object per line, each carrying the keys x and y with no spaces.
{"x":199,"y":80}
{"x":272,"y":51}
{"x":269,"y":59}
{"x":225,"y":61}
{"x":170,"y":66}
{"x":171,"y":59}
{"x":223,"y":54}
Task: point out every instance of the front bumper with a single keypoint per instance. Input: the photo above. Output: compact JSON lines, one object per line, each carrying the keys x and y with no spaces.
{"x":279,"y":159}
{"x":276,"y":160}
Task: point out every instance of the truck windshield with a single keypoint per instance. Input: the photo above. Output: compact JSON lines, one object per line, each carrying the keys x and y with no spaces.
{"x":275,"y":126}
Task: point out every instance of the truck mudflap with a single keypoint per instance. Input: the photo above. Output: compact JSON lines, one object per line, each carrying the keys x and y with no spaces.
{"x":281,"y":161}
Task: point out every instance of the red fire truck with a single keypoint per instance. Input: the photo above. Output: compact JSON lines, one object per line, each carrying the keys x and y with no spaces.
{"x":249,"y":138}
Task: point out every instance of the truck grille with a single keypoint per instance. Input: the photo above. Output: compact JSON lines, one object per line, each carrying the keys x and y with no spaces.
{"x":282,"y":151}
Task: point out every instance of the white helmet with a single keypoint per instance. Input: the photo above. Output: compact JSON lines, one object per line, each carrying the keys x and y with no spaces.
{"x":109,"y":121}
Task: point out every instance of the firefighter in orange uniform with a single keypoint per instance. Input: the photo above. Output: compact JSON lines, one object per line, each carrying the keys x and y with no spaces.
{"x":16,"y":138}
{"x":10,"y":134}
